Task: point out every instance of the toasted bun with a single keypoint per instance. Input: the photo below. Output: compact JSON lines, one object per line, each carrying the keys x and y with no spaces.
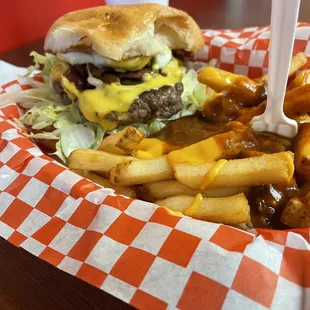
{"x":121,"y":32}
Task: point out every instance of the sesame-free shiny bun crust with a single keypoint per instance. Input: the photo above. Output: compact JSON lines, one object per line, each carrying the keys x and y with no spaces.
{"x":121,"y":32}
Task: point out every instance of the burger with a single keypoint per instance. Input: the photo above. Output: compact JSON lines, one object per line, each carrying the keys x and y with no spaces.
{"x":108,"y":67}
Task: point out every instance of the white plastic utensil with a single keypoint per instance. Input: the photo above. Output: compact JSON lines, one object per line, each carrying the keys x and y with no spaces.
{"x":284,"y":14}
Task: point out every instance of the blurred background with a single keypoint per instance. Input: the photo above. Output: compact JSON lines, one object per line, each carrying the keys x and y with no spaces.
{"x":25,"y":22}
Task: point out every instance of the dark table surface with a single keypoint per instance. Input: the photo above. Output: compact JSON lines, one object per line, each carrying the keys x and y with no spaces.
{"x":29,"y":283}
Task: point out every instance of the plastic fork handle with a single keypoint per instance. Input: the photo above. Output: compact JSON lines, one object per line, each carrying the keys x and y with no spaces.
{"x":284,"y":15}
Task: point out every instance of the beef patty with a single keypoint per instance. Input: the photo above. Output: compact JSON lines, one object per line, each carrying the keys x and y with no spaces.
{"x":156,"y":103}
{"x":163,"y":102}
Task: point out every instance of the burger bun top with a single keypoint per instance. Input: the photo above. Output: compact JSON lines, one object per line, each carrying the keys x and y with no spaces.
{"x":122,"y":32}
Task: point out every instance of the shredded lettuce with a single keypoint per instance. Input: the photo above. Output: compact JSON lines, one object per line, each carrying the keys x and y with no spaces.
{"x":99,"y":133}
{"x":59,"y":153}
{"x":58,"y":116}
{"x":40,"y":117}
{"x":71,"y":116}
{"x":194,"y":92}
{"x":42,"y":92}
{"x":31,"y":81}
{"x":72,"y":130}
{"x":47,"y":61}
{"x":76,"y":137}
{"x":45,"y":135}
{"x":30,"y":97}
{"x":151,"y":128}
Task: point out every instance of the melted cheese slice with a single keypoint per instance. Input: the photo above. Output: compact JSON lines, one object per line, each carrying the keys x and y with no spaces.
{"x":95,"y":104}
{"x":79,"y":57}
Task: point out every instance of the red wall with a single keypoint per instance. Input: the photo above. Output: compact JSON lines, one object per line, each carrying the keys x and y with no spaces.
{"x":24,"y":21}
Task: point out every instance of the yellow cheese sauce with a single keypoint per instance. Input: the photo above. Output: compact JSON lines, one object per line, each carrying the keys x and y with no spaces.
{"x":150,"y":148}
{"x":217,"y":79}
{"x":192,"y":209}
{"x":178,"y":213}
{"x":220,"y":80}
{"x":198,"y":153}
{"x":95,"y":104}
{"x":212,"y":173}
{"x":210,"y":149}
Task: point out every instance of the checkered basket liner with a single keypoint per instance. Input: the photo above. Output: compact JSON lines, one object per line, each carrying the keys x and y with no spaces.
{"x":135,"y":250}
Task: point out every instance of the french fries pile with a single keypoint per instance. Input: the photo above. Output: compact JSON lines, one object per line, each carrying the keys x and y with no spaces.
{"x":211,"y":179}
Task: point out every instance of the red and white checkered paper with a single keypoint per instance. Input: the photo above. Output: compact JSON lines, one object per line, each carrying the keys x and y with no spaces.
{"x":136,"y":250}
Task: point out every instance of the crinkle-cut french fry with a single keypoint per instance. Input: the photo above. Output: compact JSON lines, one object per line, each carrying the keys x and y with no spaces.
{"x":93,"y":160}
{"x":126,"y":191}
{"x":302,"y":151}
{"x":297,"y":101}
{"x":297,"y":212}
{"x":123,"y":142}
{"x":141,"y":171}
{"x":266,"y":169}
{"x":232,"y":210}
{"x":301,"y":79}
{"x":163,"y":189}
{"x":297,"y":62}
